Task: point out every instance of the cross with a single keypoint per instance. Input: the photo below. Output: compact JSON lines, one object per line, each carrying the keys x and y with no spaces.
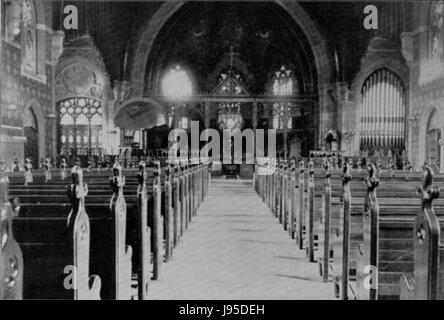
{"x":232,"y":54}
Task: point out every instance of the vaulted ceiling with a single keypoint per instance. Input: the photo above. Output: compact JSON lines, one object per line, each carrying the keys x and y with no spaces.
{"x":263,"y":36}
{"x":200,"y":35}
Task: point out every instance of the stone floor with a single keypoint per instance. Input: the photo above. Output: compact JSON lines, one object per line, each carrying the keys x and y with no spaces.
{"x":235,"y":249}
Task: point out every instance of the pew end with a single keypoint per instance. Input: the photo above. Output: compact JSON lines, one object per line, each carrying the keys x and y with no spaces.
{"x":407,"y":284}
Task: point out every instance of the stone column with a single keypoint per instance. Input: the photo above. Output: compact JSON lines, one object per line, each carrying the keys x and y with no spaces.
{"x":254,"y":111}
{"x":441,"y":155}
{"x":56,"y":51}
{"x":207,"y":114}
{"x":407,"y":40}
{"x":285,"y":130}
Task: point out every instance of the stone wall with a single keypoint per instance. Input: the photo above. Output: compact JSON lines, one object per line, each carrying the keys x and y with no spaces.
{"x":21,"y":90}
{"x":426,"y":85}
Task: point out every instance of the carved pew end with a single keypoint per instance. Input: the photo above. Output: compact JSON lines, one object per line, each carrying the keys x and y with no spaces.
{"x":95,"y":284}
{"x":407,"y":284}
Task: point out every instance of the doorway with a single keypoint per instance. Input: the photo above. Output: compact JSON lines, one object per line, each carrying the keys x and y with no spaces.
{"x":31,"y":132}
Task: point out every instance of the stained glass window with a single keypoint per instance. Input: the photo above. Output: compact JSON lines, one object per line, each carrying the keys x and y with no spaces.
{"x":435,"y":32}
{"x":29,"y":63}
{"x":231,"y":83}
{"x":80,"y":125}
{"x":283,"y":85}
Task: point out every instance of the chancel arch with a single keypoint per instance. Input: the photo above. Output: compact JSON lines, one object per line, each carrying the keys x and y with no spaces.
{"x":144,"y":67}
{"x":254,"y":47}
{"x":149,"y":31}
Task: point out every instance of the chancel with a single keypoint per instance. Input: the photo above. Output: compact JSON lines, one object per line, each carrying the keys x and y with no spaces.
{"x":335,"y":136}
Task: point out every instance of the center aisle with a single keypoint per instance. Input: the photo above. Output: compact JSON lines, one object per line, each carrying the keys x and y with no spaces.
{"x":235,"y":249}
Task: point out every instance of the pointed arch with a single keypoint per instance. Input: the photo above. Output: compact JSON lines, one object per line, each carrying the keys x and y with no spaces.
{"x":149,"y":31}
{"x":34,"y":107}
{"x":424,"y":126}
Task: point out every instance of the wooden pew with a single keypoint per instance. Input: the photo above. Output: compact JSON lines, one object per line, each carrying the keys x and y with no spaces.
{"x":340,"y":238}
{"x":169,"y":213}
{"x":293,"y":192}
{"x":393,"y":226}
{"x":108,"y":231}
{"x":157,"y":240}
{"x":141,"y":201}
{"x":98,"y":182}
{"x":57,"y":257}
{"x":368,"y":249}
{"x":324,"y":255}
{"x":143,"y":235}
{"x":122,"y":252}
{"x":300,"y":224}
{"x":426,"y":283}
{"x":377,"y":245}
{"x":309,"y":215}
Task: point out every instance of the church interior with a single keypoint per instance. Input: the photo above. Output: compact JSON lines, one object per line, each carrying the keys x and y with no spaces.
{"x":137,"y":69}
{"x":101,"y":85}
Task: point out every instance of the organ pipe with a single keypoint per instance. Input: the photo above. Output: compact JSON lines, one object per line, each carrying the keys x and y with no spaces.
{"x":370,"y":115}
{"x":392,"y":110}
{"x":403,"y":106}
{"x":397,"y":112}
{"x":383,"y":110}
{"x":367,"y":115}
{"x":398,"y":102}
{"x":362,"y":120}
{"x":378,"y":108}
{"x":384,"y":113}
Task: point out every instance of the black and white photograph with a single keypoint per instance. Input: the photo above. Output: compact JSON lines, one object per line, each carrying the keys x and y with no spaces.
{"x":221,"y":150}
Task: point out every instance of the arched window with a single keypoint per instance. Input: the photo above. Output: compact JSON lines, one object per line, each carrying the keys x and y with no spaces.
{"x":80,"y":122}
{"x":435,"y":47}
{"x":177,"y":87}
{"x":230,"y":82}
{"x":31,"y":133}
{"x":176,"y":84}
{"x":383,"y":110}
{"x":284,"y":84}
{"x":29,"y":42}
